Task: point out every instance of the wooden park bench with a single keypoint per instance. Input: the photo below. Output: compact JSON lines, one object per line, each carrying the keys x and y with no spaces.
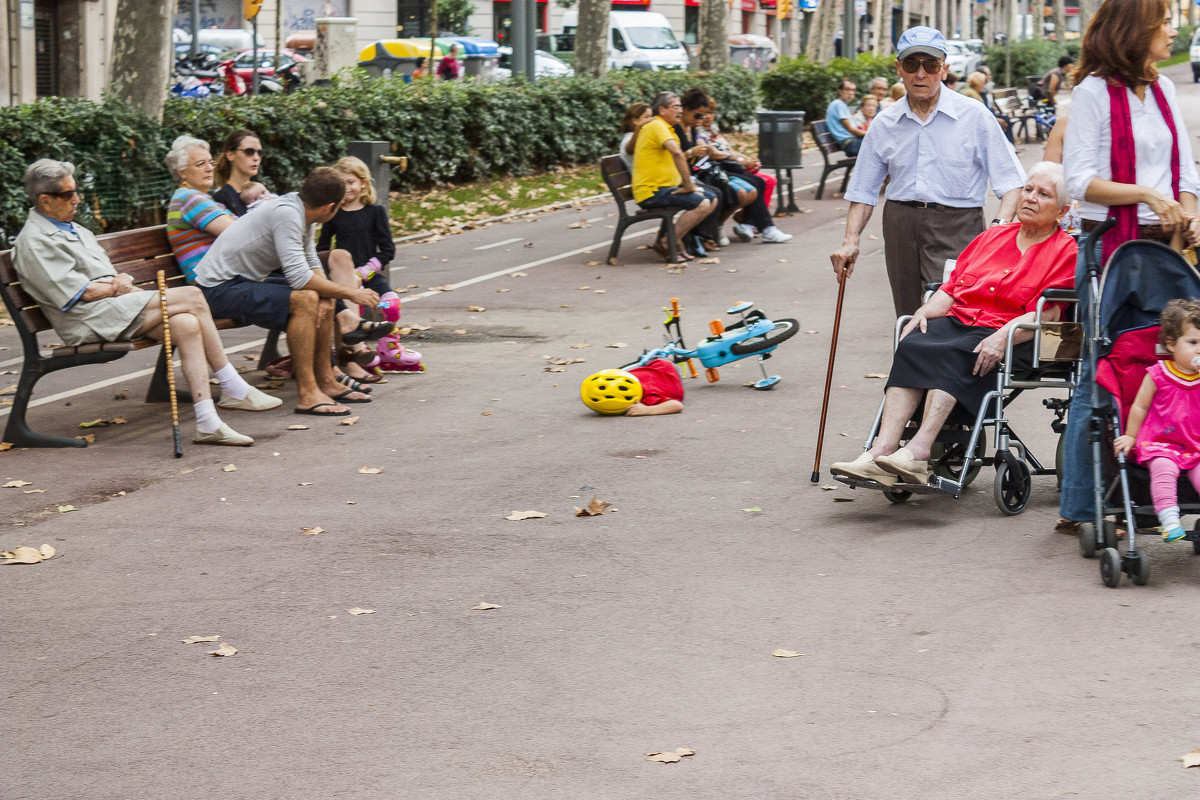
{"x":829,"y":147}
{"x":1019,"y":112}
{"x":140,"y":253}
{"x":617,"y":178}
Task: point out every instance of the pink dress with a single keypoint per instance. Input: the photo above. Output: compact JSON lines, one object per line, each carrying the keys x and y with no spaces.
{"x":1172,"y":426}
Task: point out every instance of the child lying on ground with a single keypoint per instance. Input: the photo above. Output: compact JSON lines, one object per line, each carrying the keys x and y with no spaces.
{"x":638,"y":392}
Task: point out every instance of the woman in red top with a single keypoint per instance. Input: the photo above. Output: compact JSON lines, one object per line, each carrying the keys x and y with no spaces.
{"x":953,"y":341}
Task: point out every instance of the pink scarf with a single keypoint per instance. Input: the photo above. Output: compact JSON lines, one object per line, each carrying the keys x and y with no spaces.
{"x":1123,"y":160}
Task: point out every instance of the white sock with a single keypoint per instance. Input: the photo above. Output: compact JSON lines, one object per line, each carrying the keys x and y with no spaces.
{"x":1169,"y":517}
{"x":207,"y":420}
{"x":232,"y":383}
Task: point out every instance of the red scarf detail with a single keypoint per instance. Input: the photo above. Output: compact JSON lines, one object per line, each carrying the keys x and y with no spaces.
{"x":1123,"y":160}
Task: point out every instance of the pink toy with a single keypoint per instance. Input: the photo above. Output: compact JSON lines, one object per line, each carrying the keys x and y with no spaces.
{"x":390,"y":355}
{"x":368,"y":270}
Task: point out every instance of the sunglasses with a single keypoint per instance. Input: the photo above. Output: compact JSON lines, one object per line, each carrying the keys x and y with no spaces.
{"x":912,"y":64}
{"x":250,"y":151}
{"x":69,"y":194}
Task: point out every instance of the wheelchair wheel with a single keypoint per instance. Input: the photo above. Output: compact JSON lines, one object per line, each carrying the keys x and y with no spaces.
{"x":951,"y":461}
{"x":1110,"y":567}
{"x":1141,"y":572}
{"x":897,"y":496}
{"x":1087,"y":539}
{"x":1012,"y":487}
{"x":784,"y":329}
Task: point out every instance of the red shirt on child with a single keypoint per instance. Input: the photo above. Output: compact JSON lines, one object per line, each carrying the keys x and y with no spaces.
{"x":660,"y":382}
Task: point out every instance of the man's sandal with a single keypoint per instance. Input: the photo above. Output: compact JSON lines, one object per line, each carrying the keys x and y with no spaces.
{"x":368,"y":330}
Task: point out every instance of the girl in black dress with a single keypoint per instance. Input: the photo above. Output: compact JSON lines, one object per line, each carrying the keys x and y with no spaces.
{"x":361,"y":227}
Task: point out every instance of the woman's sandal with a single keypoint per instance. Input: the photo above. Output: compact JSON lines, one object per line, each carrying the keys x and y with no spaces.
{"x":280,"y":368}
{"x":368,"y":330}
{"x":1071,"y":528}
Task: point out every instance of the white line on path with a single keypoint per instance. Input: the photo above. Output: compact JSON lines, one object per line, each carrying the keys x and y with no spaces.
{"x":259,"y":342}
{"x":497,"y":244}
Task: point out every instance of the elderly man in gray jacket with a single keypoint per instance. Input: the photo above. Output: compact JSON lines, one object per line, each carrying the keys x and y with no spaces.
{"x":63,"y":267}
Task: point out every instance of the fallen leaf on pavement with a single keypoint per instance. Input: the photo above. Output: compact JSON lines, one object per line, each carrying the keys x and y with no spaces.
{"x":1192,"y":759}
{"x":580,"y":224}
{"x":812,"y":331}
{"x":731,"y":270}
{"x":617,"y":344}
{"x":27,"y":555}
{"x":198,"y":639}
{"x":565,"y":305}
{"x":485,"y":414}
{"x":264,"y":385}
{"x":476,"y":309}
{"x":365,"y":470}
{"x":297,"y":427}
{"x":5,"y":446}
{"x":881,"y":375}
{"x":485,"y":607}
{"x":502,"y":291}
{"x":829,"y":487}
{"x":9,"y":389}
{"x":39,"y":491}
{"x":786,"y":653}
{"x":712,"y":260}
{"x":17,"y":484}
{"x":96,"y":423}
{"x":592,"y":264}
{"x":418,"y":327}
{"x":754,"y":510}
{"x":65,"y":509}
{"x":305,"y":484}
{"x":445,"y":288}
{"x":312,"y":531}
{"x":580,"y":346}
{"x":600,"y":291}
{"x":349,"y":421}
{"x":356,"y":611}
{"x":229,"y":468}
{"x":458,"y":331}
{"x":593,"y":509}
{"x":90,"y":438}
{"x":515,"y":515}
{"x":670,"y":757}
{"x":224,"y":650}
{"x":556,"y":369}
{"x":782,"y":261}
{"x":118,"y":420}
{"x":582,"y":288}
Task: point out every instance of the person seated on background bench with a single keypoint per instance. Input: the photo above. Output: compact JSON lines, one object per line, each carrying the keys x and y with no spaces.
{"x":63,"y":267}
{"x":839,"y":120}
{"x":234,"y":278}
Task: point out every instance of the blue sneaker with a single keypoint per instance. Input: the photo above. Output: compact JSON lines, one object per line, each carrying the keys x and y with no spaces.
{"x":1173,"y":533}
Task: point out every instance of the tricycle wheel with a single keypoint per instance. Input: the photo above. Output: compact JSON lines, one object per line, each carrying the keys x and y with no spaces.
{"x":1110,"y":567}
{"x":1141,"y":567}
{"x":1087,"y":539}
{"x":1012,"y":487}
{"x":897,"y":496}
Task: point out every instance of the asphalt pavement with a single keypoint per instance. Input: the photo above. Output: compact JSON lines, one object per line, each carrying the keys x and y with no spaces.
{"x":946,"y":650}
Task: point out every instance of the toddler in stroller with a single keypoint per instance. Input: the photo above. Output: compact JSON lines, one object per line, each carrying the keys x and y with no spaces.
{"x":1163,"y":427}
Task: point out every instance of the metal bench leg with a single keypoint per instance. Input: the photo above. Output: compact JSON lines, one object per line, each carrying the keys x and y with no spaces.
{"x":780,"y":208}
{"x":270,"y":350}
{"x":17,"y":432}
{"x":159,"y":390}
{"x":615,"y":247}
{"x":667,"y":230}
{"x":821,"y":186}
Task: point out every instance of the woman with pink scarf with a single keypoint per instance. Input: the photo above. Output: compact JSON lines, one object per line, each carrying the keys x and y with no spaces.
{"x":1126,"y":155}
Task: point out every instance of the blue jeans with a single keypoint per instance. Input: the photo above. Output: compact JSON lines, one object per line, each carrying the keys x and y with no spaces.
{"x":1077,"y":501}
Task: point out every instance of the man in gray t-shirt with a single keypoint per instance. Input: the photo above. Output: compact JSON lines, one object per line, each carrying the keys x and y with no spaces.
{"x":236,"y":278}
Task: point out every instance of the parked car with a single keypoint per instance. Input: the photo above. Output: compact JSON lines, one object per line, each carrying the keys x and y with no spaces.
{"x":1194,"y":54}
{"x":226,"y":38}
{"x":545,"y":65}
{"x":961,"y":59}
{"x":243,"y":62}
{"x":638,"y":39}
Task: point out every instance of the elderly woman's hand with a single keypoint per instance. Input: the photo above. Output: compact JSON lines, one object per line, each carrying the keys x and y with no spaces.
{"x":991,"y":351}
{"x":918,"y":320}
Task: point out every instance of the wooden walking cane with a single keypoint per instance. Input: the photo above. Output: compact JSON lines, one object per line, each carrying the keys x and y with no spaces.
{"x":166,"y":323}
{"x":837,"y":321}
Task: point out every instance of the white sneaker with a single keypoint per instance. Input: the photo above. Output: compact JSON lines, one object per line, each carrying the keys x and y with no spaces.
{"x":773,"y":235}
{"x":744,"y":231}
{"x":723,"y":240}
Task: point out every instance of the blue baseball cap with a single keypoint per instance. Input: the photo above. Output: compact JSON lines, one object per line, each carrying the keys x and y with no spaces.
{"x":921,"y":40}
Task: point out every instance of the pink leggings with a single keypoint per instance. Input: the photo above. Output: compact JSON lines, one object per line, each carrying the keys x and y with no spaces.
{"x":1164,"y":478}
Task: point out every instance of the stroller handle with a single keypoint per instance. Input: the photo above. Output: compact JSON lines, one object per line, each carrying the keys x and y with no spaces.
{"x":1089,"y":243}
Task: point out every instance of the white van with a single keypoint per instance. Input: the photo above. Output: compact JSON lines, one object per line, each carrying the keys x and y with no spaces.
{"x":637,"y":38}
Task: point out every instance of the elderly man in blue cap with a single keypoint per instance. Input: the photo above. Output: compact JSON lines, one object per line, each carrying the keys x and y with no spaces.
{"x":940,"y":151}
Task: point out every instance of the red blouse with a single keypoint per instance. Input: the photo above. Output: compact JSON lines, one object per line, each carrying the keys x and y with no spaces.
{"x":993,"y":283}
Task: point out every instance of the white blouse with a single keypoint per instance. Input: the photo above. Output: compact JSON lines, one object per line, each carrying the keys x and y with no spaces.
{"x":1088,"y":144}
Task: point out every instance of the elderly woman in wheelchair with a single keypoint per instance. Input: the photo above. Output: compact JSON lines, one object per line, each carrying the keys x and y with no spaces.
{"x":947,"y":349}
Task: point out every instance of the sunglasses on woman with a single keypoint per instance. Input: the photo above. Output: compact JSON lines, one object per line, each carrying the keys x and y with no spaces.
{"x":250,"y":151}
{"x":912,"y":64}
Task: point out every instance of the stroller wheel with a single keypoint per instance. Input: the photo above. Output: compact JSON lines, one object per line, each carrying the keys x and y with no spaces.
{"x":1139,"y":567}
{"x":1087,"y":539}
{"x":1196,"y":539}
{"x":1109,"y":534}
{"x":897,"y":496}
{"x":1012,"y":487}
{"x":1110,"y":567}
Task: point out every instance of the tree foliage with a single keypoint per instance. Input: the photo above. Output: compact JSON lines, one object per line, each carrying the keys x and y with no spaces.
{"x":800,"y":84}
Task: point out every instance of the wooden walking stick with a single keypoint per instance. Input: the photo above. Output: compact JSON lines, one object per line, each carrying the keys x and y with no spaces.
{"x":837,"y":320}
{"x":166,"y":323}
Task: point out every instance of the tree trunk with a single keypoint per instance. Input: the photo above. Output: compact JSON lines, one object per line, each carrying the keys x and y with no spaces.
{"x":1086,"y":9}
{"x":141,"y":50}
{"x":1060,"y":21}
{"x":591,"y":38}
{"x":713,"y":36}
{"x":883,"y":27}
{"x":824,"y":26}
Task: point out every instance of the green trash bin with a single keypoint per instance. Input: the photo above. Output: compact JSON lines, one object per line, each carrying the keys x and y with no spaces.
{"x":780,"y":140}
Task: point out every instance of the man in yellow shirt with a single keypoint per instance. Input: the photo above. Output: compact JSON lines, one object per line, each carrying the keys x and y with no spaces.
{"x":662,"y":177}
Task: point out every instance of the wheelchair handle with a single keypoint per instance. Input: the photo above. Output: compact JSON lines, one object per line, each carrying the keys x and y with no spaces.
{"x":1089,"y":244}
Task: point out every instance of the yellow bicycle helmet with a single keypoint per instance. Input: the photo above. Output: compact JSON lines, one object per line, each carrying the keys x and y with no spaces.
{"x":610,"y":391}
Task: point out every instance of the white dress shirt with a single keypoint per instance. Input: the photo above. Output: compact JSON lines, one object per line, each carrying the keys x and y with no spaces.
{"x":1088,"y":145}
{"x":948,"y":158}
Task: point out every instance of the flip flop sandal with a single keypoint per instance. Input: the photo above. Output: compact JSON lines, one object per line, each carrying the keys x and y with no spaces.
{"x":361,"y":357}
{"x":368,"y":330}
{"x":343,"y":398}
{"x":353,"y":384}
{"x":312,"y":411}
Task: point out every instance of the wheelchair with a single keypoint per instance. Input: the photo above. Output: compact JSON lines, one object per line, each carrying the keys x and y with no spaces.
{"x":959,"y":453}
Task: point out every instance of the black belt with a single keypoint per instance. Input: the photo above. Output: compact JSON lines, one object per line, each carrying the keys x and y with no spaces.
{"x":1156,"y":232}
{"x":934,"y":206}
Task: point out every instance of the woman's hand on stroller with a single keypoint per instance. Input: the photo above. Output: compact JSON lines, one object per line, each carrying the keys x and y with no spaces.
{"x":1170,"y":212}
{"x":1192,"y":232}
{"x":1123,"y":444}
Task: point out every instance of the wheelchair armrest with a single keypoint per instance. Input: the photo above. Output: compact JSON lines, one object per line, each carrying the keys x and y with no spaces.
{"x":933,"y":287}
{"x":1066,"y":295}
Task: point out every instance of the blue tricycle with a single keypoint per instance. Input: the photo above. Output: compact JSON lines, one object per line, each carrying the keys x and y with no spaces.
{"x":752,"y":335}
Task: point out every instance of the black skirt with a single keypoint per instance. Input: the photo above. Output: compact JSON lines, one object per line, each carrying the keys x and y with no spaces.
{"x":943,"y":357}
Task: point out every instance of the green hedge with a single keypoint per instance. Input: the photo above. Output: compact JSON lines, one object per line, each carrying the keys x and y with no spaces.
{"x":802,"y":85}
{"x":1032,"y":57}
{"x":1183,"y":42}
{"x":451,"y":131}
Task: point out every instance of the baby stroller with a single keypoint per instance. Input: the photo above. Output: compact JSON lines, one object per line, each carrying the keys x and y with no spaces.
{"x":1141,"y":278}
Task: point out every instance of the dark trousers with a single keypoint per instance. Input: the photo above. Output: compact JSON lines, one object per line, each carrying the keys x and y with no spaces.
{"x":756,"y":213}
{"x":917,"y":243}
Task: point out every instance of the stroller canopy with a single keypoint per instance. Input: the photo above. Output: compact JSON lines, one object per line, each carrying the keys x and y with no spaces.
{"x":1140,"y":279}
